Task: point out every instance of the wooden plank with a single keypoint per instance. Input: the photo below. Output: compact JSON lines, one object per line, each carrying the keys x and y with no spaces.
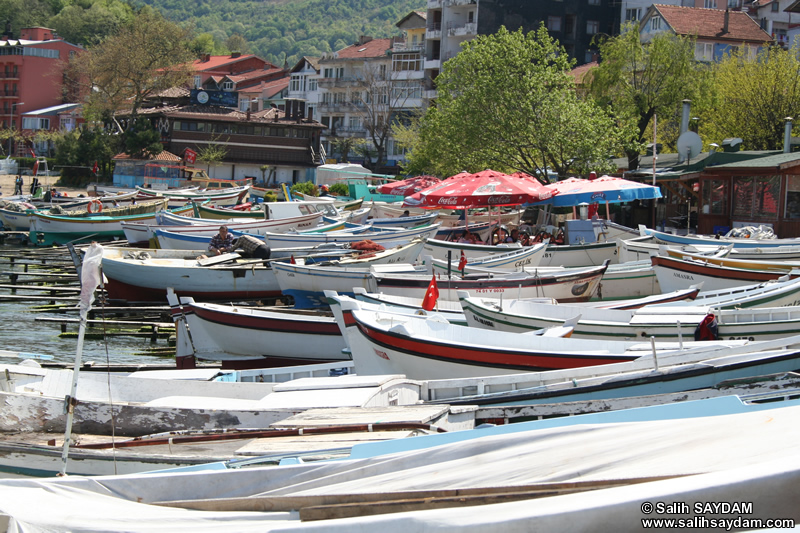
{"x":23,"y":298}
{"x":18,"y":287}
{"x":107,"y":322}
{"x":299,"y":503}
{"x":217,"y":259}
{"x":337,"y":416}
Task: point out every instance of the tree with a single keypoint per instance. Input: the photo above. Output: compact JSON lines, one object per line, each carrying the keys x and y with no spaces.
{"x":212,"y":153}
{"x":344,"y":145}
{"x":147,"y":56}
{"x":142,"y":139}
{"x":641,"y":79}
{"x":237,"y":43}
{"x":507,"y":102}
{"x":753,"y":96}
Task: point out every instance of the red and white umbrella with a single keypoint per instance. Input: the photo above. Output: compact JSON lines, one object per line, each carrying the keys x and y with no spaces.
{"x":487,"y":188}
{"x":407,"y":186}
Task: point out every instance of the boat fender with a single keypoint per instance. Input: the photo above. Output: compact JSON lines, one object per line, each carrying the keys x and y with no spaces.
{"x":95,"y":206}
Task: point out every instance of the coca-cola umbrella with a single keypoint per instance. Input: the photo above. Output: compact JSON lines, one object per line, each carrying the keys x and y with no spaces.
{"x":487,"y":188}
{"x":408,"y":186}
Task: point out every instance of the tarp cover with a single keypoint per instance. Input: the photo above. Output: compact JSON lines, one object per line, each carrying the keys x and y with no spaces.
{"x":751,"y":457}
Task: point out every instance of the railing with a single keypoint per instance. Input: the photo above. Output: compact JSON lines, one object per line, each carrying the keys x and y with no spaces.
{"x":434,"y":26}
{"x":456,"y":28}
{"x":405,"y":47}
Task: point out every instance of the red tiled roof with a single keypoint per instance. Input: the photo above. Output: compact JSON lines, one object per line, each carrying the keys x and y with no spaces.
{"x":244,"y":76}
{"x":709,"y":23}
{"x":270,"y":88}
{"x":579,"y":73}
{"x":373,"y":48}
{"x":215,"y":62}
{"x":225,"y":114}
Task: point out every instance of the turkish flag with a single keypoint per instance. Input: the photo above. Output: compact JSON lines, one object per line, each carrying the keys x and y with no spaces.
{"x":190,"y":156}
{"x":431,"y":295}
{"x":291,"y":260}
{"x":95,"y":168}
{"x":463,"y":262}
{"x":35,"y":168}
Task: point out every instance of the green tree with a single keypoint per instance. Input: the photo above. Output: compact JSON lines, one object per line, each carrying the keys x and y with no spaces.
{"x":736,"y":111}
{"x":142,"y":139}
{"x":212,"y":154}
{"x":640,"y":79}
{"x":76,"y":152}
{"x":145,"y":57}
{"x":345,"y":145}
{"x":507,"y":102}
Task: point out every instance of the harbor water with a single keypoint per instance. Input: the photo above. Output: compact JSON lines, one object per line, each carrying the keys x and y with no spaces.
{"x":42,"y":340}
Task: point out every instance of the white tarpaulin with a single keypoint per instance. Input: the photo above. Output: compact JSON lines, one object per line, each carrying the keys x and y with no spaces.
{"x":597,"y":452}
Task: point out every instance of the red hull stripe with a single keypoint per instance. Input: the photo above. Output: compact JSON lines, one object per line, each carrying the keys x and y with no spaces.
{"x":290,"y":324}
{"x":509,"y":359}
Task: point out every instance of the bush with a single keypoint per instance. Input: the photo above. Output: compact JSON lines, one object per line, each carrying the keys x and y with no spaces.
{"x":270,"y":196}
{"x":339,"y":189}
{"x":305,"y":187}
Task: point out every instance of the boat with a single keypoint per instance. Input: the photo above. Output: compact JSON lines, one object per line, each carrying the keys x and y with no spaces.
{"x":664,"y":323}
{"x":733,"y":262}
{"x":394,"y":210}
{"x":697,"y":461}
{"x":591,"y":254}
{"x":404,"y":222}
{"x":271,"y":336}
{"x":430,"y":348}
{"x":49,"y":230}
{"x":386,"y":238}
{"x":679,"y":273}
{"x":141,"y":235}
{"x":267,"y":209}
{"x":773,"y":293}
{"x":669,"y":238}
{"x":514,"y":259}
{"x":222,"y":197}
{"x":577,"y":285}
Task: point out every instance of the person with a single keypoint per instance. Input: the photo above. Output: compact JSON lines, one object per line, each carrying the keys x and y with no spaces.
{"x":525,"y":238}
{"x":466,"y":237}
{"x":503,"y":236}
{"x":252,"y":247}
{"x":48,"y":195}
{"x":514,"y":235}
{"x":405,"y":214}
{"x":323,"y":190}
{"x":18,"y":185}
{"x":222,"y":242}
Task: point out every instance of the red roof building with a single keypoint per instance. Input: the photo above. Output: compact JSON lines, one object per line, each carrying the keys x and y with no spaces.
{"x":718,"y":32}
{"x":31,"y":74}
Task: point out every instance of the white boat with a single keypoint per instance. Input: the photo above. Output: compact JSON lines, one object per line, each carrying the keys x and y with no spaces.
{"x":386,"y":210}
{"x":773,"y":293}
{"x":221,"y":197}
{"x":668,"y":238}
{"x":386,"y":238}
{"x":576,"y":285}
{"x":514,"y":259}
{"x":139,"y":234}
{"x":679,"y":273}
{"x":431,"y":348}
{"x":664,"y":323}
{"x":555,"y":255}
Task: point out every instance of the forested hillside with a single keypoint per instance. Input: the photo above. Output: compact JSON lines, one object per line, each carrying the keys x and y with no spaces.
{"x":276,"y":30}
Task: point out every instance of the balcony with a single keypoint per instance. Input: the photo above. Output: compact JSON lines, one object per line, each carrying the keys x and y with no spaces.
{"x":435,"y":4}
{"x":408,"y":47}
{"x":329,"y":83}
{"x":433,"y":64}
{"x":455,"y":29}
{"x":448,"y":3}
{"x":433,"y":30}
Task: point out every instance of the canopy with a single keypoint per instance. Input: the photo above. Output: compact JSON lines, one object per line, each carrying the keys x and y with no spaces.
{"x":487,"y":188}
{"x":407,"y":186}
{"x":574,"y":191}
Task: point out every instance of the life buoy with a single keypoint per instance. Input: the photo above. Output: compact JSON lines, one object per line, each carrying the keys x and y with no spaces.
{"x":95,"y":206}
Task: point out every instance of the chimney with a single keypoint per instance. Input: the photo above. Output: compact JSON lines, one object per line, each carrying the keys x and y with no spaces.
{"x":787,"y":136}
{"x":236,"y":54}
{"x":206,"y":58}
{"x":364,"y":39}
{"x":727,"y":18}
{"x":687,"y":104}
{"x":301,"y":110}
{"x":247,"y":116}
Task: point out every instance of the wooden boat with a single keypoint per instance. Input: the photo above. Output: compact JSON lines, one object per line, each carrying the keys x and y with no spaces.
{"x":622,"y":281}
{"x":668,"y":238}
{"x":665,"y":323}
{"x":679,"y":273}
{"x":267,"y":210}
{"x":574,"y":286}
{"x":48,"y":230}
{"x":591,"y":254}
{"x":274,"y":337}
{"x":405,"y":222}
{"x":386,"y":238}
{"x":514,"y":259}
{"x":451,"y":311}
{"x":773,"y":293}
{"x":394,"y":210}
{"x":223,"y":197}
{"x":139,"y":234}
{"x":430,"y":348}
{"x":734,"y":262}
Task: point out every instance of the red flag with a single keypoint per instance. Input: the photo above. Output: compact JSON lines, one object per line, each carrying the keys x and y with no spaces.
{"x":190,"y":156}
{"x":291,"y":260}
{"x":30,"y":149}
{"x":431,"y":295}
{"x":463,"y":262}
{"x":95,"y":168}
{"x":35,"y":168}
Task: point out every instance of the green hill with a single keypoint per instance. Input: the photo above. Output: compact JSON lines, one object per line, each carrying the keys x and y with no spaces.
{"x":287,"y":30}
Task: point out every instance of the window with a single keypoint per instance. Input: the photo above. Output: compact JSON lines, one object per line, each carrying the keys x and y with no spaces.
{"x":655,"y":23}
{"x":710,"y":4}
{"x":406,"y":62}
{"x":592,"y":27}
{"x":327,"y":73}
{"x":339,"y":72}
{"x":569,"y":25}
{"x":312,"y":85}
{"x":792,"y":197}
{"x":756,"y":197}
{"x":594,"y":2}
{"x":715,"y":197}
{"x":470,"y":17}
{"x":590,"y":56}
{"x":403,"y":91}
{"x":298,"y":83}
{"x":382,"y":71}
{"x":704,"y":51}
{"x":633,"y":14}
{"x":227,"y":86}
{"x":339,"y":98}
{"x":197,"y":82}
{"x":776,"y":7}
{"x":355,"y":124}
{"x":554,"y":23}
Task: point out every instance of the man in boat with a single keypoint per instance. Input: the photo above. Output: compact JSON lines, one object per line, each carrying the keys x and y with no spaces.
{"x":252,"y":247}
{"x":222,"y":242}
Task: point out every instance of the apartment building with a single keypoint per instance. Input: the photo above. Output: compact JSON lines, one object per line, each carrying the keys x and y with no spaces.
{"x":30,"y":75}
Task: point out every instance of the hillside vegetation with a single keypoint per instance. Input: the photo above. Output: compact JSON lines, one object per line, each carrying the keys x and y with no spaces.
{"x":278,"y":31}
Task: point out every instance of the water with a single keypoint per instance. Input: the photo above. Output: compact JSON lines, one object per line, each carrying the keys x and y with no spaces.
{"x":20,"y":332}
